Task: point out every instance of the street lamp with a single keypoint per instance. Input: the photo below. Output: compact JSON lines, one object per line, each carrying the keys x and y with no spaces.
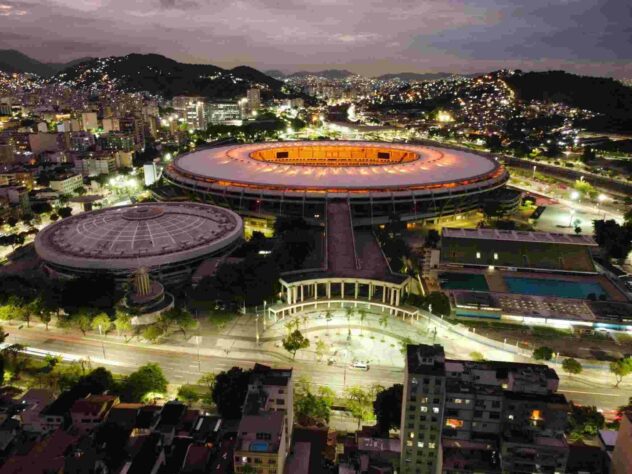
{"x":257,"y":327}
{"x":575,"y":195}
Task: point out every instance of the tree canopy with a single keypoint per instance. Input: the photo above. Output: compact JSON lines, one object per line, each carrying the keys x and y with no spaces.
{"x":147,"y":379}
{"x":388,"y":408}
{"x":229,"y":391}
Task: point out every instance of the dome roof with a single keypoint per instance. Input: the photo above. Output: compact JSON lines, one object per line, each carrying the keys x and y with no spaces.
{"x":139,"y":235}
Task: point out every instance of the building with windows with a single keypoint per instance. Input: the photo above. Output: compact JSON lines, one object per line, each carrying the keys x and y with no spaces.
{"x":462,"y":416}
{"x":191,"y":110}
{"x":265,"y":430}
{"x":378,"y":180}
{"x":254,"y":99}
{"x":66,"y":183}
{"x":218,"y":113}
{"x":96,"y":163}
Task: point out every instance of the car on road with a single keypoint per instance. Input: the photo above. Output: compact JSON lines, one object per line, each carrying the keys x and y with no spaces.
{"x":358,"y":364}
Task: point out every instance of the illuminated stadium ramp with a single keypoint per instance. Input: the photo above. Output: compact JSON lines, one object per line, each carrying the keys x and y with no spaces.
{"x":378,"y":179}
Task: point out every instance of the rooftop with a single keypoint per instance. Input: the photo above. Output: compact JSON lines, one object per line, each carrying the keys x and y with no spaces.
{"x":147,"y":235}
{"x":343,"y":165}
{"x":519,"y":236}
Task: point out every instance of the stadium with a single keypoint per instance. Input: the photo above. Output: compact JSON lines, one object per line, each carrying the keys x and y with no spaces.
{"x":168,"y":240}
{"x":378,"y":179}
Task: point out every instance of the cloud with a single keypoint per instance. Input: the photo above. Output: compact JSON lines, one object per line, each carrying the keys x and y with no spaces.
{"x":367,"y":36}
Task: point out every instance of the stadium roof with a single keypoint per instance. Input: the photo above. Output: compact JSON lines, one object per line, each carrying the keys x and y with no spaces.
{"x":234,"y":166}
{"x":141,"y":235}
{"x":519,"y":236}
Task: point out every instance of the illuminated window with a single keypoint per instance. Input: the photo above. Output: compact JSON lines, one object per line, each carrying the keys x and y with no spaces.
{"x":454,"y":423}
{"x":510,"y":417}
{"x":495,"y":256}
{"x":420,"y":444}
{"x":411,"y":435}
{"x":458,"y":401}
{"x":435,"y":409}
{"x":478,"y":255}
{"x":431,"y":445}
{"x":423,"y":409}
{"x":409,"y":444}
{"x":536,"y":415}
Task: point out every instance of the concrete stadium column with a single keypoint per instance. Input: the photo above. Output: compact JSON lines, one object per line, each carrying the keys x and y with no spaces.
{"x":289,"y":295}
{"x":328,"y":290}
{"x":384,"y":294}
{"x":356,"y":291}
{"x":342,"y":290}
{"x":392,"y":296}
{"x":295,"y":294}
{"x":397,"y":292}
{"x":316,"y":291}
{"x":302,"y":293}
{"x":370,"y":291}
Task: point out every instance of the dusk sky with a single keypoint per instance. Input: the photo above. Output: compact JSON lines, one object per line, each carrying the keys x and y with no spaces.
{"x":365,"y":36}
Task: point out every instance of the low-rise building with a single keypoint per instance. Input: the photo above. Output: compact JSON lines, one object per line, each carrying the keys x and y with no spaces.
{"x":66,"y":183}
{"x":86,"y":413}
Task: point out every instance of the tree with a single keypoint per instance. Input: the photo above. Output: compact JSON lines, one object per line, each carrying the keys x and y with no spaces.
{"x":230,"y":391}
{"x":439,"y":302}
{"x":64,"y":212}
{"x":433,"y":238}
{"x":588,"y":155}
{"x":543,"y":353}
{"x":101,"y":323}
{"x":621,"y":368}
{"x":614,"y":239}
{"x":294,"y":342}
{"x":312,"y":408}
{"x":362,"y":313}
{"x":81,"y":191}
{"x":388,"y":408}
{"x":328,"y":317}
{"x":54,"y":217}
{"x":188,"y":394}
{"x":477,"y":356}
{"x":152,"y":333}
{"x":122,"y":322}
{"x":321,"y":349}
{"x":181,"y":318}
{"x":584,"y":421}
{"x":360,"y":403}
{"x":348,"y":315}
{"x":208,"y":379}
{"x":146,"y":380}
{"x":571,"y":366}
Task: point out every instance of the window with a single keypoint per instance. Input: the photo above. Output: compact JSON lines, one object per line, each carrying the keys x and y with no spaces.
{"x":409,"y":443}
{"x":458,"y":401}
{"x":423,"y":409}
{"x":478,"y":255}
{"x":495,"y":256}
{"x":435,"y":409}
{"x":281,"y":390}
{"x":432,"y":445}
{"x":510,"y":417}
{"x":420,"y":444}
{"x":494,"y":415}
{"x":280,"y":401}
{"x":454,"y":422}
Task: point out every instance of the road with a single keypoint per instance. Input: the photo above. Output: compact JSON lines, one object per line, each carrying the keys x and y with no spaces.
{"x":184,"y":367}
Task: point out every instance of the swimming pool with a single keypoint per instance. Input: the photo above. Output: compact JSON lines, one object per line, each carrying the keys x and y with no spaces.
{"x":463,"y":281}
{"x":560,"y":288}
{"x":259,"y":446}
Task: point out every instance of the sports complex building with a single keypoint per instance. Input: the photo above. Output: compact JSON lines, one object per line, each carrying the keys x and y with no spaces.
{"x":377,"y":179}
{"x":533,"y":278}
{"x":168,"y":240}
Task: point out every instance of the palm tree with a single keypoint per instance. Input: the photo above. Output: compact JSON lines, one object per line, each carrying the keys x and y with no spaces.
{"x":328,"y":317}
{"x":362,"y":313}
{"x":384,"y":322}
{"x":348,"y":314}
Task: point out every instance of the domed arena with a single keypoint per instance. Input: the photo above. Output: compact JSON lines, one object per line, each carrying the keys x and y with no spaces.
{"x":378,"y":179}
{"x":167,"y":239}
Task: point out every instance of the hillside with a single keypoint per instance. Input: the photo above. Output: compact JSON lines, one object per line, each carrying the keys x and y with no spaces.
{"x":602,"y":95}
{"x":13,"y":61}
{"x":327,"y":74}
{"x":415,"y":76}
{"x":159,"y":75}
